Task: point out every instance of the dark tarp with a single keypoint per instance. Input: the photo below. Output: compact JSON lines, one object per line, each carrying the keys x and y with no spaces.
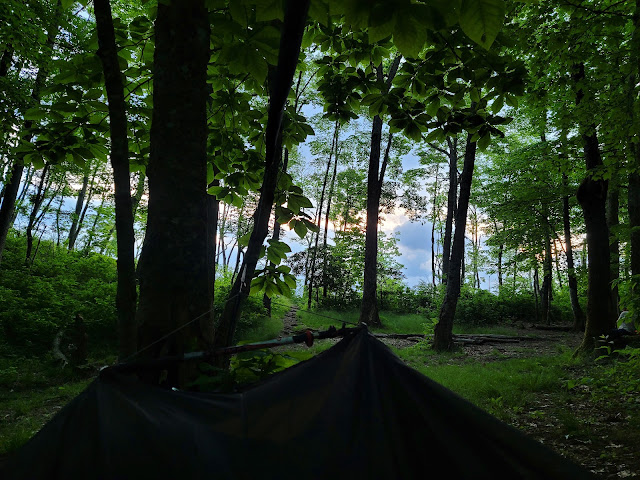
{"x":355,"y":411}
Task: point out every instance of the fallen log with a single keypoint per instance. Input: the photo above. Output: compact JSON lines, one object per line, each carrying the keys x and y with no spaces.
{"x":557,"y":328}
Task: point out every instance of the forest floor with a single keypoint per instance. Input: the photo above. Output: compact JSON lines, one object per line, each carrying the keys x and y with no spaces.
{"x":578,"y":408}
{"x":575,"y":414}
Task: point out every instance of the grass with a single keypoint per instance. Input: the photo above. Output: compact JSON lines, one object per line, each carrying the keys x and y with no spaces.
{"x":499,"y":387}
{"x":268,"y":327}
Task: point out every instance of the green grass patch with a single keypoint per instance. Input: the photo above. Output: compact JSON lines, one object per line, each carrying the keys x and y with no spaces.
{"x":23,"y":415}
{"x":498,"y":387}
{"x":266,"y":328}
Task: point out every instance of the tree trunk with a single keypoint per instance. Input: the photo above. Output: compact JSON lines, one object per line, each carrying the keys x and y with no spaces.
{"x":369,"y":313}
{"x":592,"y":196}
{"x":578,"y":314}
{"x":73,"y":231}
{"x":314,"y":253}
{"x":443,"y":334}
{"x":452,"y":201}
{"x":536,"y":290}
{"x":92,"y":231}
{"x":108,"y":54}
{"x":326,"y":217}
{"x":6,"y":60}
{"x":547,"y":279}
{"x":290,"y":41}
{"x":433,"y":228}
{"x":612,"y":210}
{"x":633,"y":194}
{"x":11,"y":188}
{"x":266,"y":300}
{"x":174,"y":277}
{"x":35,"y":207}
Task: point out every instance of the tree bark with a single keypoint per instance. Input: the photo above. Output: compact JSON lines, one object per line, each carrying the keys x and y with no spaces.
{"x":73,"y":231}
{"x":290,"y":40}
{"x":369,"y":313}
{"x":612,"y":211}
{"x":633,"y":194}
{"x":452,"y":201}
{"x":443,"y":333}
{"x":6,"y":60}
{"x":314,"y":253}
{"x":126,"y":289}
{"x":326,"y":217}
{"x":578,"y":314}
{"x":36,"y":203}
{"x":547,"y":279}
{"x":173,"y":272}
{"x":592,"y":196}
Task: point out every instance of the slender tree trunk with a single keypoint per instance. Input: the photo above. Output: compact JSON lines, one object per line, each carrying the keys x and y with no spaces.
{"x":266,"y":300}
{"x":26,"y":186}
{"x":58,"y":228}
{"x":290,"y":41}
{"x":443,"y":334}
{"x":592,"y":196}
{"x":612,"y":210}
{"x":633,"y":194}
{"x":35,"y":208}
{"x":433,"y":228}
{"x":369,"y":313}
{"x":7,"y":209}
{"x":326,"y":217}
{"x":452,"y":201}
{"x":536,"y":290}
{"x":6,"y":60}
{"x":314,"y":254}
{"x":578,"y":314}
{"x":73,"y":231}
{"x":126,"y":289}
{"x":547,"y":278}
{"x":92,"y":231}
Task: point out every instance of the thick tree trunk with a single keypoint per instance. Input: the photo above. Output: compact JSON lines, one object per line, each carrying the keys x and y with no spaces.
{"x":452,"y":201}
{"x":578,"y":314}
{"x":126,"y":289}
{"x":174,"y":277}
{"x":592,"y":196}
{"x":443,"y":334}
{"x":290,"y":40}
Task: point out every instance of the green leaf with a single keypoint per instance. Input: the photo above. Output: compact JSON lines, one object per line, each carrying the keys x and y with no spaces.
{"x":66,"y":3}
{"x":484,"y":142}
{"x":408,"y":37}
{"x":300,"y":228}
{"x":497,"y":104}
{"x":35,"y":114}
{"x":481,"y":20}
